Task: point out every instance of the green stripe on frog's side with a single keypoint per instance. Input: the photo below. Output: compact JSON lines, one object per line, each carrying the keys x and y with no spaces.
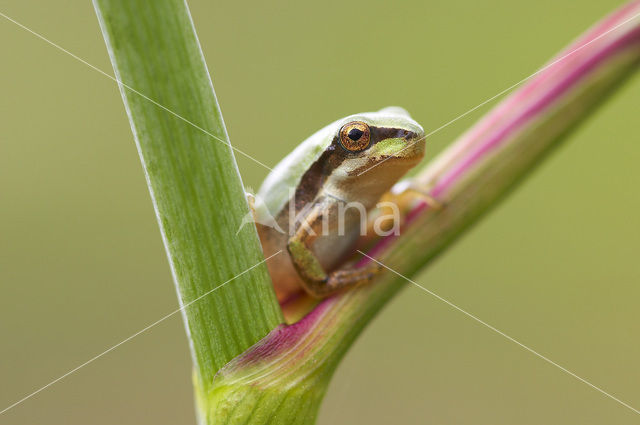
{"x":320,"y":174}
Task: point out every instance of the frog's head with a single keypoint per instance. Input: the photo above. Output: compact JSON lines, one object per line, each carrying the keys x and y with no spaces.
{"x":371,"y":151}
{"x":356,"y":158}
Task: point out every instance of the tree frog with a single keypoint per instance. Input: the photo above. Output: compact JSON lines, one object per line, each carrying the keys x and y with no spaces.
{"x":307,"y":206}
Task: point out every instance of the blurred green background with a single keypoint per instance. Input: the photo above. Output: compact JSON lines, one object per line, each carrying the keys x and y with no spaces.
{"x":82,"y":264}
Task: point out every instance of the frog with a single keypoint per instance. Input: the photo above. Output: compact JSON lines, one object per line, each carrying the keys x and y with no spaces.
{"x":309,"y":208}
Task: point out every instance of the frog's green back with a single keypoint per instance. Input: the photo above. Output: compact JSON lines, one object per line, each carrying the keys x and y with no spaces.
{"x":279,"y":185}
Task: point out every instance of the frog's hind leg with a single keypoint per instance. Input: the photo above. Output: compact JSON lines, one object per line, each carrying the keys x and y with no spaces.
{"x":352,"y":277}
{"x":316,"y":281}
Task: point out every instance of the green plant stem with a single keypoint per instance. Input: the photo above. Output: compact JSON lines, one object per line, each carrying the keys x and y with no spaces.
{"x":193,"y":178}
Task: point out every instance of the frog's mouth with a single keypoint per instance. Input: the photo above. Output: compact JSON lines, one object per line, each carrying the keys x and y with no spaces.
{"x":391,"y":156}
{"x":400,"y":148}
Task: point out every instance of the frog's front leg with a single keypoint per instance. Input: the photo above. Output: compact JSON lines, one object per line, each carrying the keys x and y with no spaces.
{"x":317,"y":282}
{"x":393,"y":208}
{"x":408,"y":191}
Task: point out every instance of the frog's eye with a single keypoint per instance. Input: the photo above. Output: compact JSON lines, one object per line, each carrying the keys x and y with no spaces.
{"x":355,"y":136}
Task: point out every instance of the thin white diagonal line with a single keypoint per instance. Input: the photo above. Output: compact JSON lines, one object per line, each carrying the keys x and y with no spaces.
{"x":91,"y":360}
{"x":509,"y":88}
{"x":111,"y":77}
{"x":257,"y":161}
{"x":499,"y":332}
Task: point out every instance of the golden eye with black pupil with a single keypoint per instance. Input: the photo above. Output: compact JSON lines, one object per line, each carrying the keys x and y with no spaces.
{"x":355,"y":136}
